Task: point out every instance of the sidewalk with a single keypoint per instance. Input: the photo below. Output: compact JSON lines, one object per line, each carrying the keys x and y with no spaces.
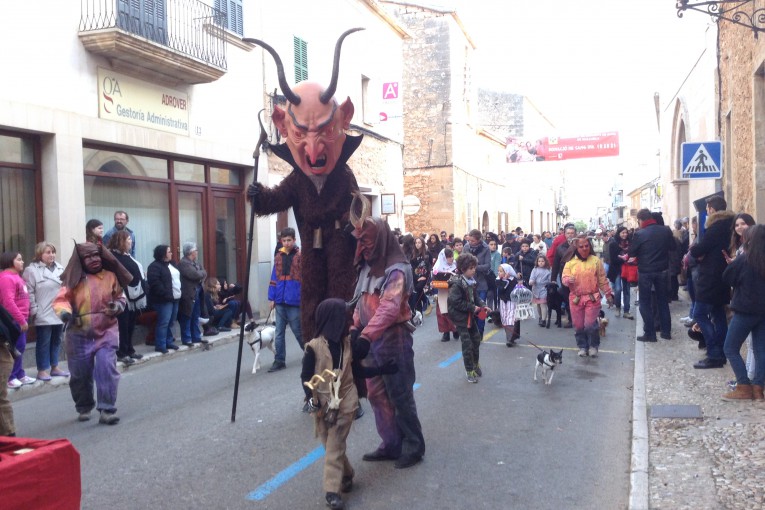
{"x":713,"y":462}
{"x":149,"y":356}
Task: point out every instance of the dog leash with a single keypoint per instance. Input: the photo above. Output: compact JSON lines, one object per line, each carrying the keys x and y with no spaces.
{"x":535,"y":345}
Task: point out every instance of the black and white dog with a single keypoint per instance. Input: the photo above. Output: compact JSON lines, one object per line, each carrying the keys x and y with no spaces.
{"x":548,"y":360}
{"x":554,"y":303}
{"x":257,"y":338}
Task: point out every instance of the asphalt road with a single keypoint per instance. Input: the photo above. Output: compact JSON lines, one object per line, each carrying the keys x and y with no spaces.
{"x":504,"y":443}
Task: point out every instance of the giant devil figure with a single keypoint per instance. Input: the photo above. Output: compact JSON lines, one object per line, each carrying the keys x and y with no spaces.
{"x":319,"y":188}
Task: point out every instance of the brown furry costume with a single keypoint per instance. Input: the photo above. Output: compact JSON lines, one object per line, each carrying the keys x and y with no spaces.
{"x":327,"y":272}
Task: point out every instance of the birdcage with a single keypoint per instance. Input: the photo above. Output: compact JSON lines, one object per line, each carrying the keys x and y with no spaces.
{"x":521,"y":297}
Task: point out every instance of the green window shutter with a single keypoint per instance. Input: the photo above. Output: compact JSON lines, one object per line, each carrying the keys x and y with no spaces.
{"x":231,"y":15}
{"x":301,"y":59}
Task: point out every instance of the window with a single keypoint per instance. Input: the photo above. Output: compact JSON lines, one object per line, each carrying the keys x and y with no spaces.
{"x":301,"y":59}
{"x":231,"y":11}
{"x":18,"y":196}
{"x":146,"y":18}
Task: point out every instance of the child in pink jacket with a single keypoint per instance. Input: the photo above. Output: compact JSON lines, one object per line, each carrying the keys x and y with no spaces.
{"x":15,"y":298}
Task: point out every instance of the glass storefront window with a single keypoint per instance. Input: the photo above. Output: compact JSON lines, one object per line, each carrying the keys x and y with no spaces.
{"x":119,"y":163}
{"x":224,"y":176}
{"x":18,"y":211}
{"x":193,"y":172}
{"x":16,"y":150}
{"x":145,"y":202}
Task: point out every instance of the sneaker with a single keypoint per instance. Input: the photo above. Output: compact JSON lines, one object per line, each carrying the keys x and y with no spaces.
{"x":478,"y":371}
{"x":685,"y":319}
{"x":135,"y":355}
{"x":582,"y":353}
{"x":445,"y":337}
{"x":172,"y":346}
{"x":646,"y":338}
{"x":27,"y":380}
{"x":14,"y":383}
{"x":618,"y":312}
{"x":278,"y":365}
{"x":108,"y":418}
{"x":593,"y":352}
{"x":203,"y":320}
{"x":127,"y":360}
{"x":471,"y":377}
{"x":84,"y":416}
{"x":628,"y":315}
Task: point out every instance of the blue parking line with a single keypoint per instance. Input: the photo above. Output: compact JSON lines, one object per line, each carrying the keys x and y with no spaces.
{"x":415,"y":386}
{"x":451,"y":360}
{"x":287,"y":474}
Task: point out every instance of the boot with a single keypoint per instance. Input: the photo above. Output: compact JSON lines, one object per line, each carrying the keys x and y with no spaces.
{"x":757,"y":392}
{"x":445,"y":337}
{"x":742,"y":392}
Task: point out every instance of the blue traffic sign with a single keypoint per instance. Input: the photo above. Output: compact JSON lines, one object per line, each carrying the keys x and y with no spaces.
{"x":702,"y":160}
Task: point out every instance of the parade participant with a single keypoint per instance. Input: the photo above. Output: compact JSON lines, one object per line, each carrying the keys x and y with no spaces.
{"x":507,"y":281}
{"x":444,"y":269}
{"x":89,"y":301}
{"x":331,"y":351}
{"x":465,"y":304}
{"x":585,"y":276}
{"x":320,"y":186}
{"x":381,"y":328}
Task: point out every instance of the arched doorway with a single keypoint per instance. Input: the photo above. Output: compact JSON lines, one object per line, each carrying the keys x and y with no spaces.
{"x":485,"y":222}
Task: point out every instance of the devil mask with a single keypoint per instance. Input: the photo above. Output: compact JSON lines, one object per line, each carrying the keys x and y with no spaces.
{"x":91,"y":258}
{"x":313,"y":123}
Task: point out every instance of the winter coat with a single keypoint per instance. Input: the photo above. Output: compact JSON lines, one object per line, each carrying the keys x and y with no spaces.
{"x":160,"y":282}
{"x":14,"y":296}
{"x":43,"y":284}
{"x":284,"y":287}
{"x":538,"y":280}
{"x":709,"y":285}
{"x":192,"y":276}
{"x":615,"y":266}
{"x":462,"y":300}
{"x":527,"y":265}
{"x":651,"y":245}
{"x":483,"y":254}
{"x":748,"y":287}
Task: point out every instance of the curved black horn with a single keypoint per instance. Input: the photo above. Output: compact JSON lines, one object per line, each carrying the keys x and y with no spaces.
{"x":291,"y":96}
{"x":330,"y":91}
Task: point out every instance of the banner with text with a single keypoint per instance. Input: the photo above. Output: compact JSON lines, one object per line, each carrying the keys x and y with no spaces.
{"x":557,"y":149}
{"x":125,"y":99}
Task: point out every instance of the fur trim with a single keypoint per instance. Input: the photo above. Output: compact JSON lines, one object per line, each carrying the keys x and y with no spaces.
{"x":718,"y":216}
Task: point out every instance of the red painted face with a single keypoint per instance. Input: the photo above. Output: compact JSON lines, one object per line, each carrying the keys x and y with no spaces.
{"x":315,"y":132}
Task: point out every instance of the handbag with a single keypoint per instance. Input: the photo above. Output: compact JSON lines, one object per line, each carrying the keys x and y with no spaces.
{"x":630,"y":272}
{"x":136,"y":296}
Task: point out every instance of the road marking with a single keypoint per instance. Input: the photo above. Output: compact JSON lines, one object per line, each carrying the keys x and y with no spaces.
{"x":286,"y":475}
{"x":556,"y":347}
{"x":291,"y":471}
{"x":451,"y":360}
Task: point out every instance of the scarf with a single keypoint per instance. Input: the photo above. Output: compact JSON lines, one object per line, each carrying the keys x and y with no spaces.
{"x":442,"y":266}
{"x":645,"y":223}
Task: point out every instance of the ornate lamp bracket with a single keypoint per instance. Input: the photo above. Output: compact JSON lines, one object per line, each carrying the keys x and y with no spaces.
{"x":728,"y":10}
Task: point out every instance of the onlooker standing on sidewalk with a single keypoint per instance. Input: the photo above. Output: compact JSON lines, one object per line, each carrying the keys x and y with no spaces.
{"x":651,"y":245}
{"x":284,"y":296}
{"x":94,"y":231}
{"x":190,"y":307}
{"x":121,"y":245}
{"x":496,"y":260}
{"x":14,"y":297}
{"x":164,"y":282}
{"x":43,"y":278}
{"x":619,"y":250}
{"x":746,"y":274}
{"x":712,"y":294}
{"x":120,"y":223}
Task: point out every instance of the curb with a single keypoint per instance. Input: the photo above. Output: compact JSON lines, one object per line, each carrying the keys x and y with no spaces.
{"x":639,"y":459}
{"x":41,"y":387}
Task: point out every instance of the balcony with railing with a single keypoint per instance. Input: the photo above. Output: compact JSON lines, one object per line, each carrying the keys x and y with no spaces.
{"x":169,"y":41}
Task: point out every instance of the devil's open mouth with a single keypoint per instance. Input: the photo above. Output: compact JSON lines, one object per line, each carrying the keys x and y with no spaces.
{"x":321,"y":162}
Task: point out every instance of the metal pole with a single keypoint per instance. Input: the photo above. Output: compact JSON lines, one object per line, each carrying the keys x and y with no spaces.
{"x":250,"y":235}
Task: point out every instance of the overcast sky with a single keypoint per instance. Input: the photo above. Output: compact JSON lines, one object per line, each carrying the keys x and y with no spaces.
{"x":590,"y":66}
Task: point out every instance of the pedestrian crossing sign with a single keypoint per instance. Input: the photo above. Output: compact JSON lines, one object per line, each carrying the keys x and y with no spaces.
{"x":702,"y":160}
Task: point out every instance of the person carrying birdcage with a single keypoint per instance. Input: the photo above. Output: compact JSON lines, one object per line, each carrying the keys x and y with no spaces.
{"x":585,"y":276}
{"x":507,"y":280}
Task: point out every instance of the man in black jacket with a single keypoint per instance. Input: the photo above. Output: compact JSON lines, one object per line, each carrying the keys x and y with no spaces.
{"x":651,"y":245}
{"x":712,"y":294}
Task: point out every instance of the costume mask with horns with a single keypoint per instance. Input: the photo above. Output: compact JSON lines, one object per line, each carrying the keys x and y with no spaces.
{"x":313,"y":123}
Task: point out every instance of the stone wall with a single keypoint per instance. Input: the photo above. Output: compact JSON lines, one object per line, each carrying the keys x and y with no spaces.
{"x":500,"y":112}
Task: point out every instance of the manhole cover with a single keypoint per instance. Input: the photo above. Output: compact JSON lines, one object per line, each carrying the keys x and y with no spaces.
{"x":675,"y":411}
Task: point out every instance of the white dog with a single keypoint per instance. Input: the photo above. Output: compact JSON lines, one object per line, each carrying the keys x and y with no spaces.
{"x":548,"y":361}
{"x":257,"y":338}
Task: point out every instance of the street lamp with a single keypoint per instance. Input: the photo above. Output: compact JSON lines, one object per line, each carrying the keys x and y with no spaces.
{"x":728,"y":10}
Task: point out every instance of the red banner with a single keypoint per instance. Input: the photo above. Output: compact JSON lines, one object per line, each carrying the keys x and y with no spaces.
{"x":558,"y":149}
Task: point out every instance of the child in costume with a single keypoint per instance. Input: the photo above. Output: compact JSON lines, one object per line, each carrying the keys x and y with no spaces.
{"x":506,"y":282}
{"x":444,"y":269}
{"x":540,"y":277}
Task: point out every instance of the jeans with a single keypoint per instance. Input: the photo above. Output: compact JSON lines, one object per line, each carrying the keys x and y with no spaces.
{"x":163,"y":332}
{"x":286,"y":314}
{"x":190,"y":331}
{"x":621,"y":287}
{"x":740,"y":326}
{"x":18,"y":369}
{"x":714,"y":330}
{"x":659,"y":282}
{"x":126,"y":325}
{"x":48,"y":346}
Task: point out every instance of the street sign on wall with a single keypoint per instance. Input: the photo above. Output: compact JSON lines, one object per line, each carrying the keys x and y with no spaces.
{"x":701,"y":160}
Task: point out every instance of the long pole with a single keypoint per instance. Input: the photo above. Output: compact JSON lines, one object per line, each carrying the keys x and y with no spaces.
{"x":250,"y":235}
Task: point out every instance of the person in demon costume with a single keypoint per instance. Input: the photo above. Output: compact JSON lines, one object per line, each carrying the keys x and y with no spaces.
{"x":320,"y":187}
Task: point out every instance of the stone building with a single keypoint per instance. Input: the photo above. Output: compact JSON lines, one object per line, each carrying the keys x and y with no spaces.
{"x":456,"y":168}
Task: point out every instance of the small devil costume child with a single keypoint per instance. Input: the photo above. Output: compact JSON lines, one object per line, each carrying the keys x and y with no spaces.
{"x":89,"y":300}
{"x":334,"y":398}
{"x":381,"y":329}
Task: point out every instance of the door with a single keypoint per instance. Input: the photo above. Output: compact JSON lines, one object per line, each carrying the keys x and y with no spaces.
{"x":191,"y":205}
{"x":229,"y":248}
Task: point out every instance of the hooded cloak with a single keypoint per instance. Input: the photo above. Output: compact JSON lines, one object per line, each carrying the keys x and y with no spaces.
{"x":74,"y":269}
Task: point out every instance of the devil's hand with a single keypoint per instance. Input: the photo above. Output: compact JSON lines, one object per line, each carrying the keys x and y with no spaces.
{"x":65,"y":316}
{"x":360,"y":347}
{"x":253,"y":192}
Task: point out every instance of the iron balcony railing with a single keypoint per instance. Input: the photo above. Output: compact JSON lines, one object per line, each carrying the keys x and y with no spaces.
{"x":190,"y":27}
